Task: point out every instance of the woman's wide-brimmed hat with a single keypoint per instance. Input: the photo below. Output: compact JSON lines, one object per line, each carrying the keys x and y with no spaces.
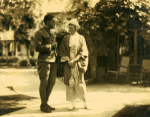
{"x":75,"y":23}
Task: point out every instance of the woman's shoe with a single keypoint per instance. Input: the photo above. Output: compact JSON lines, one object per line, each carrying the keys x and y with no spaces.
{"x":71,"y":107}
{"x":86,"y":106}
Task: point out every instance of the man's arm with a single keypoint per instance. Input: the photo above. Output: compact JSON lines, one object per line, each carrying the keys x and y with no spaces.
{"x":42,"y":48}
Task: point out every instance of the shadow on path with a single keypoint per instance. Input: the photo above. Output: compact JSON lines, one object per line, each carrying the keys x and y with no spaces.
{"x":133,"y":111}
{"x":11,"y":103}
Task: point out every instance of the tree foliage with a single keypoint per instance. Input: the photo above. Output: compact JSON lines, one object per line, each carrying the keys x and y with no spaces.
{"x":21,"y":16}
{"x":110,"y":17}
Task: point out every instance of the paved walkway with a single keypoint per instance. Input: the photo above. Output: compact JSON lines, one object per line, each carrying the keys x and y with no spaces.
{"x":105,"y":100}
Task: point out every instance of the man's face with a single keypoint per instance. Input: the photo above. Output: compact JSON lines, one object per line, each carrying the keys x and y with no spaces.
{"x":51,"y":23}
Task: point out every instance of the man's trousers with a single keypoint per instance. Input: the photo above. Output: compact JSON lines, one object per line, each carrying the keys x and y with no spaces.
{"x":47,"y":74}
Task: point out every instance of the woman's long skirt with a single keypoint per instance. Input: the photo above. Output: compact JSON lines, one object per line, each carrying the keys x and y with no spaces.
{"x":79,"y":90}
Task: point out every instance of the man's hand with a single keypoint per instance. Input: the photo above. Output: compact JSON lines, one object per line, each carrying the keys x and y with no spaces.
{"x":64,"y":59}
{"x":53,"y":46}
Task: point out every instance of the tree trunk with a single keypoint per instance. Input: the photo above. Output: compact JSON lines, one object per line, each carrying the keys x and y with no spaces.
{"x":92,"y":56}
{"x":92,"y":48}
{"x":92,"y":66}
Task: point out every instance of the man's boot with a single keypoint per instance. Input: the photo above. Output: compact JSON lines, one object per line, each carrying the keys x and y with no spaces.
{"x":50,"y":107}
{"x":45,"y":108}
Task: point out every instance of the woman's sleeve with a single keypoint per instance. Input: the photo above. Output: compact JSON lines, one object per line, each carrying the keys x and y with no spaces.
{"x":62,"y":51}
{"x":83,"y":63}
{"x":84,"y":50}
{"x":85,"y":53}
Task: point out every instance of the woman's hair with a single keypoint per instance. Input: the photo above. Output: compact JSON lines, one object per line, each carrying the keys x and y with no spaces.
{"x":75,"y":23}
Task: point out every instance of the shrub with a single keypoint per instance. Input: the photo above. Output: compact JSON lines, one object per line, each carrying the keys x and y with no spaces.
{"x":33,"y":62}
{"x":13,"y":60}
{"x":23,"y":63}
{"x":3,"y":60}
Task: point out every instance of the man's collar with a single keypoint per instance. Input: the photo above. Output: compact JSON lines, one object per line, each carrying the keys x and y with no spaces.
{"x":47,"y":28}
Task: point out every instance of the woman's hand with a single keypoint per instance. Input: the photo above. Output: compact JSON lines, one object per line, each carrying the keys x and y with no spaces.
{"x":78,"y":57}
{"x":72,"y":62}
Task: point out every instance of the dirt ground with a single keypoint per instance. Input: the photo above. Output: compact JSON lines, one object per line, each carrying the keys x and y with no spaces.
{"x":105,"y":99}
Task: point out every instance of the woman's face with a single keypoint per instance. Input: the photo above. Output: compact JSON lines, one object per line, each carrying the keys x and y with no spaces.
{"x":72,"y":28}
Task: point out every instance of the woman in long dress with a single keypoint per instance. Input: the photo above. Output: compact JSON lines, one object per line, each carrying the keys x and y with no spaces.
{"x":74,"y":53}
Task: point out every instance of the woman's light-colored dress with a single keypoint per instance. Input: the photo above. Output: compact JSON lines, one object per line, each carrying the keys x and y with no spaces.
{"x":71,"y":46}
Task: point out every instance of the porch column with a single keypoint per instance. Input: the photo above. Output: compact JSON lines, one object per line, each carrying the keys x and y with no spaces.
{"x":135,"y":46}
{"x":16,"y":49}
{"x":118,"y":49}
{"x":28,"y":54}
{"x":12,"y":48}
{"x":5,"y":49}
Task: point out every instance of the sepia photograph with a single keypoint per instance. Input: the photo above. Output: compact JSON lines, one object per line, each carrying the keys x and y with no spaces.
{"x":75,"y":58}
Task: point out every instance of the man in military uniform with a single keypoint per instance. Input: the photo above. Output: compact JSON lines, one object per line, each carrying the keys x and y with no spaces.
{"x":45,"y":44}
